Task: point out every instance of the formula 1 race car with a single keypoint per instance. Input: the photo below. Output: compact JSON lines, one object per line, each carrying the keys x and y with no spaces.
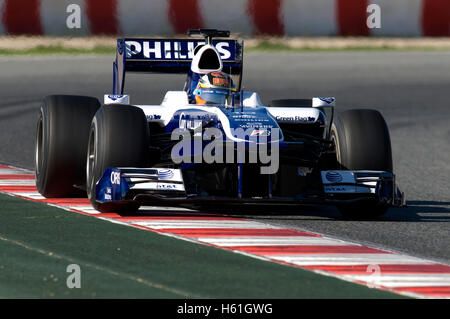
{"x":210,"y":144}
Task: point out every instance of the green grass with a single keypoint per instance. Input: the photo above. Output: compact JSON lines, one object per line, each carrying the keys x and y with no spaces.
{"x":264,"y":46}
{"x":38,"y":242}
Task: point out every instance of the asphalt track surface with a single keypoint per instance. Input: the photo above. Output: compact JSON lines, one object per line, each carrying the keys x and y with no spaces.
{"x":409,"y":88}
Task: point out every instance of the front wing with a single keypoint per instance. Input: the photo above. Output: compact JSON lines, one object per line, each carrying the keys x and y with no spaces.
{"x":165,"y":187}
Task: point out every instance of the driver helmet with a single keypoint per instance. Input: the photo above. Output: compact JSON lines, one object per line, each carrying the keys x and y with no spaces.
{"x":214,"y":88}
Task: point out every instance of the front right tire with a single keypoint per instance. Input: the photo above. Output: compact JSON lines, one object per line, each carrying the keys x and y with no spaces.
{"x":119,"y":137}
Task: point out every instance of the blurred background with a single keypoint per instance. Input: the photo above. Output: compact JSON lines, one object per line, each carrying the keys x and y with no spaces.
{"x":411,"y":18}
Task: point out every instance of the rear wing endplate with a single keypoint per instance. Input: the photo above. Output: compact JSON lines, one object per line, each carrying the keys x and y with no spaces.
{"x":169,"y":56}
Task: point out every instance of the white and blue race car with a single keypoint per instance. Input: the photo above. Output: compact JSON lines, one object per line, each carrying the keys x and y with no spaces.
{"x":238,"y":153}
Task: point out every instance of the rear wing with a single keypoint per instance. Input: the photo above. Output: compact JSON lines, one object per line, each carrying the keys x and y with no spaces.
{"x":169,"y":56}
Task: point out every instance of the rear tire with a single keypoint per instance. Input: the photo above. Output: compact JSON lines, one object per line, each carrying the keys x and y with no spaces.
{"x":362,"y":142}
{"x":119,"y":137}
{"x":61,"y":143}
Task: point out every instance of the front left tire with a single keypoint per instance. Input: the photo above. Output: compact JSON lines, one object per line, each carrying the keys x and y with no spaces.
{"x":362,"y":142}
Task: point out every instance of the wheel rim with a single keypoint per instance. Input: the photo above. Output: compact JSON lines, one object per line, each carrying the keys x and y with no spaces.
{"x":90,"y":162}
{"x":335,"y":140}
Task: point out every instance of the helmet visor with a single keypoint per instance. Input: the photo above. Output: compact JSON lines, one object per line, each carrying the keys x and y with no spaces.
{"x":212,"y":96}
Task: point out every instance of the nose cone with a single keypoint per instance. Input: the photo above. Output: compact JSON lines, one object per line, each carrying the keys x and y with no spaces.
{"x":253,"y":125}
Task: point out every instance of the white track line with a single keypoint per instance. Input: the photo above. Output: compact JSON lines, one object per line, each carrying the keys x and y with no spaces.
{"x":163,"y":224}
{"x":85,"y":209}
{"x":14,"y":182}
{"x":272,"y":241}
{"x":348,"y":259}
{"x":409,"y":280}
{"x":30,"y":195}
{"x":8,"y":171}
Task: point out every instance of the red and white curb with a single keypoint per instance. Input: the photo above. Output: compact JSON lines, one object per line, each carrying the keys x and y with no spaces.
{"x":247,"y":17}
{"x":370,"y":266}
